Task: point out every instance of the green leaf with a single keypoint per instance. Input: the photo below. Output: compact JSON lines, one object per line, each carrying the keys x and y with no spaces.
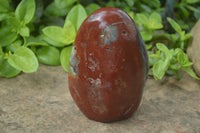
{"x":187,"y":36}
{"x":156,"y":55}
{"x":130,"y":2}
{"x":155,"y":21}
{"x":141,"y":19}
{"x":162,"y":48}
{"x":146,"y":36}
{"x":4,"y":16}
{"x":14,"y":46}
{"x":148,"y":47}
{"x":32,"y":41}
{"x":188,"y":64}
{"x":152,"y":60}
{"x":197,"y":14}
{"x":175,"y":25}
{"x":65,"y":57}
{"x":48,"y":55}
{"x":24,"y":31}
{"x":7,"y":36}
{"x":25,"y":11}
{"x":77,"y":15}
{"x":51,"y":42}
{"x":110,"y":3}
{"x":55,"y":33}
{"x":160,"y":67}
{"x":154,"y":25}
{"x":14,"y":24}
{"x":190,"y":72}
{"x":184,"y":11}
{"x":64,"y":35}
{"x":183,"y":59}
{"x":174,"y":67}
{"x":54,"y":10}
{"x":1,"y":52}
{"x":91,"y":8}
{"x":145,"y":8}
{"x":174,"y":37}
{"x":182,"y":24}
{"x":131,"y":14}
{"x":158,"y":70}
{"x":154,"y":3}
{"x":24,"y":59}
{"x":156,"y":16}
{"x":64,"y":3}
{"x":4,"y":6}
{"x":69,"y":32}
{"x":182,"y":35}
{"x":192,"y":8}
{"x":7,"y":70}
{"x":177,"y":50}
{"x":192,"y":1}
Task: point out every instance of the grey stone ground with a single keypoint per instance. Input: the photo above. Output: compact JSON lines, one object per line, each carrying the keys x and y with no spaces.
{"x":41,"y":103}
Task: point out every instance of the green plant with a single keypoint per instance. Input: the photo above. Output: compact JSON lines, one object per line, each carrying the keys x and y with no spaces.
{"x":21,"y":51}
{"x":169,"y":61}
{"x":148,"y":24}
{"x":162,"y":59}
{"x":33,"y":31}
{"x":187,"y":11}
{"x":15,"y":55}
{"x":180,"y":37}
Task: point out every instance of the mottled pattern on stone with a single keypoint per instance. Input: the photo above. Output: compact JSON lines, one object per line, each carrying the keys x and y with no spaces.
{"x":41,"y":103}
{"x":110,"y":34}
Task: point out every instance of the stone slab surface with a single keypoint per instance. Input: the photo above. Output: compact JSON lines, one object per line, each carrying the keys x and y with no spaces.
{"x":41,"y":103}
{"x":193,"y":48}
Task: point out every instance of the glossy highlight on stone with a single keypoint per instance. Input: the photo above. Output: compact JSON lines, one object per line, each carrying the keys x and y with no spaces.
{"x":108,"y":66}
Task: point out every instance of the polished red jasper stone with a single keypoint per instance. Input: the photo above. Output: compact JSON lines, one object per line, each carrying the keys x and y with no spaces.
{"x":108,"y":66}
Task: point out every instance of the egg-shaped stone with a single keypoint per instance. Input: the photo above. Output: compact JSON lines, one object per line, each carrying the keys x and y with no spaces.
{"x":108,"y":66}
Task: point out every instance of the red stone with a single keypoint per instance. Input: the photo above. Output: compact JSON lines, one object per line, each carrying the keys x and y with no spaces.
{"x":108,"y":66}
